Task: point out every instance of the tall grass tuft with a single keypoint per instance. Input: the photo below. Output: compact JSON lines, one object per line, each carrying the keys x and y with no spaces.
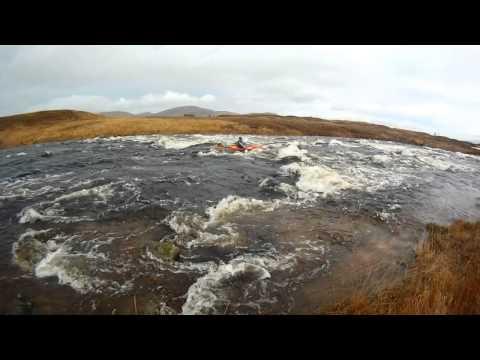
{"x":445,"y":278}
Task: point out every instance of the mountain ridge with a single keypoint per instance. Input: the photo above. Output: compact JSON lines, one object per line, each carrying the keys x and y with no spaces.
{"x":178,"y":111}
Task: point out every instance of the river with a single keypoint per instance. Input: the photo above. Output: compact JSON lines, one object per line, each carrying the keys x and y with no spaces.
{"x":287,"y":229}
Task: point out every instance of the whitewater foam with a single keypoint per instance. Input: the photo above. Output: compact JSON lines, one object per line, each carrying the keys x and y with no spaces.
{"x":233,"y":204}
{"x":30,"y":233}
{"x":210,"y":294}
{"x":191,"y":230}
{"x":288,"y":189}
{"x":178,"y":143}
{"x":293,"y":150}
{"x":209,"y":291}
{"x":335,"y":142}
{"x":57,"y":263}
{"x":31,"y":216}
{"x":437,"y":163}
{"x":185,"y":224}
{"x":469,"y":156}
{"x":317,"y":178}
{"x":215,"y":228}
{"x":387,"y":147}
{"x":382,"y":160}
{"x":103,"y":192}
{"x":49,"y":255}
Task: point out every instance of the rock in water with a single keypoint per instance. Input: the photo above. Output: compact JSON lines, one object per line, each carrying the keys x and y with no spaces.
{"x":46,"y":154}
{"x":24,"y":306}
{"x":165,"y":250}
{"x":30,"y":249}
{"x":289,"y":159}
{"x":269,"y":185}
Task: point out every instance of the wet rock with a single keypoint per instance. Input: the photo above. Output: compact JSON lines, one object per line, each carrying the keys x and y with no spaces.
{"x":165,"y":250}
{"x":29,"y":253}
{"x":331,"y":201}
{"x":32,"y":247}
{"x":23,"y":305}
{"x":269,"y":185}
{"x":46,"y":154}
{"x":269,"y":182}
{"x":289,"y":159}
{"x":200,"y":147}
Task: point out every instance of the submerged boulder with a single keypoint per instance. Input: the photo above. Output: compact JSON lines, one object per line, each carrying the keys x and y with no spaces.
{"x":23,"y":305}
{"x":289,"y":159}
{"x":165,"y":250}
{"x":269,"y":185}
{"x":31,"y":248}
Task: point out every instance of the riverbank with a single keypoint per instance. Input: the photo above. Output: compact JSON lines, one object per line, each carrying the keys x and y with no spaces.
{"x":444,"y":279}
{"x":62,"y":125}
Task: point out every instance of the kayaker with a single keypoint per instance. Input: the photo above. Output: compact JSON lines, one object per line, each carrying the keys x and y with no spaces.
{"x":240,"y":143}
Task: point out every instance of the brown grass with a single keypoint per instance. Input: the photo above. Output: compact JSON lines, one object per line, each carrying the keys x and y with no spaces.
{"x":445,"y":278}
{"x":60,"y":125}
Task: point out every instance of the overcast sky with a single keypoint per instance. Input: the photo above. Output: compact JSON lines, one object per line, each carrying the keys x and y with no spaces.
{"x":426,"y":88}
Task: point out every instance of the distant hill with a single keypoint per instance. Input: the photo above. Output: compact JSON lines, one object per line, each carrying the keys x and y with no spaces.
{"x":186,"y":110}
{"x":46,"y":117}
{"x":262,"y":114}
{"x":117,"y":114}
{"x":179,"y":111}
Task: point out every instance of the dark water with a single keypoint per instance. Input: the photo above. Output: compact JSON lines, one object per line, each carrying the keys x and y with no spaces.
{"x":282,"y":230}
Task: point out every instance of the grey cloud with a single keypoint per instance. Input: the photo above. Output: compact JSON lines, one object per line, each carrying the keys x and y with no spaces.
{"x":148,"y":102}
{"x":431,"y":87}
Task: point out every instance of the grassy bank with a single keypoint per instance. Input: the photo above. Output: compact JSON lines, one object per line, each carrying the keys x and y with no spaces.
{"x":445,"y":278}
{"x":61,"y":125}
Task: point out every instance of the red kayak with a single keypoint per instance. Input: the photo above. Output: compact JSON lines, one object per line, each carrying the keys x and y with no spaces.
{"x":247,"y":148}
